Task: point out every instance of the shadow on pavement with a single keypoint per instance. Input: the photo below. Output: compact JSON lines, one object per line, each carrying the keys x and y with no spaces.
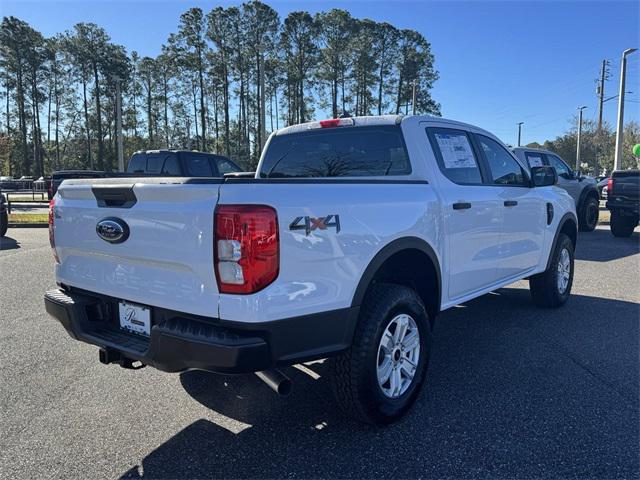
{"x":601,"y":246}
{"x":512,"y":391}
{"x":8,"y":243}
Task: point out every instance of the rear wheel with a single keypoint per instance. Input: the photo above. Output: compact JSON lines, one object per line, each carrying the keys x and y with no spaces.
{"x":552,"y":287}
{"x":380,"y":376}
{"x":589,"y":214}
{"x":4,"y":223}
{"x":623,"y":225}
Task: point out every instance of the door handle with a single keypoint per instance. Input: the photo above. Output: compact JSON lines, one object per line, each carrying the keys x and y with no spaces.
{"x":461,"y":206}
{"x":510,"y":203}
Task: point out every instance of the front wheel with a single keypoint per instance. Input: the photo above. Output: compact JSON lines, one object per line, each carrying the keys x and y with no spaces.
{"x":622,"y":225}
{"x":4,"y":223}
{"x":589,"y":214}
{"x":552,"y":287}
{"x":379,"y":378}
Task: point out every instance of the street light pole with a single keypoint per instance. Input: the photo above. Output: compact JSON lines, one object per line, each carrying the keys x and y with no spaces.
{"x":520,"y":132}
{"x":617,"y":162}
{"x":119,"y":125}
{"x":579,"y":136}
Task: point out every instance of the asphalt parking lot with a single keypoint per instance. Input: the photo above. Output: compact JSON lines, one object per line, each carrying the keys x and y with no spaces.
{"x":513,"y":391}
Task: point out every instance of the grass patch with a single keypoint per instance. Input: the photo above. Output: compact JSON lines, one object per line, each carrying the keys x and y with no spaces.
{"x":29,"y":218}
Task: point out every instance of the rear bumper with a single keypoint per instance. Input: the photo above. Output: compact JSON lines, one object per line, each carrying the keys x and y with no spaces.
{"x":180,"y":342}
{"x":623,"y":205}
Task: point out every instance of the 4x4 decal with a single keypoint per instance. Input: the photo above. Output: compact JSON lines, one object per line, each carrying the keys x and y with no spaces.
{"x":309,"y":224}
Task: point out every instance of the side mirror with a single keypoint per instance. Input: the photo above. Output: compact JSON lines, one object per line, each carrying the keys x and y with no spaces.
{"x":543,"y":176}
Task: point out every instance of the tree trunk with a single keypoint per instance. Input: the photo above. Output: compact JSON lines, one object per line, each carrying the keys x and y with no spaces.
{"x":149,"y":113}
{"x":225,"y":93}
{"x":195,"y":110}
{"x":22,"y":119}
{"x":399,"y":99}
{"x":203,"y":111}
{"x":380,"y":81}
{"x":86,"y":115}
{"x":166,"y":110}
{"x":57,"y":120}
{"x":98,"y":117}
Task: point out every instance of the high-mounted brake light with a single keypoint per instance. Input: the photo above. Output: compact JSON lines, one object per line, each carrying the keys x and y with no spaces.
{"x":332,"y":123}
{"x":610,"y":186}
{"x":52,"y":239}
{"x":246,"y":249}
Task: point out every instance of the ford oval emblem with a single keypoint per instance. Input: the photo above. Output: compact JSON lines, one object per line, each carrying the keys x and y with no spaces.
{"x":112,"y":230}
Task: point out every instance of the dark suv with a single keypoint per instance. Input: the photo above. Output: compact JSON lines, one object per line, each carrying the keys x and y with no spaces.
{"x":180,"y":163}
{"x":583,"y":189}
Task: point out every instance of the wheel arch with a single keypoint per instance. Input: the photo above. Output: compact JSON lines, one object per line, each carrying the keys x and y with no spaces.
{"x":408,"y":261}
{"x":568,"y":225}
{"x":590,"y":191}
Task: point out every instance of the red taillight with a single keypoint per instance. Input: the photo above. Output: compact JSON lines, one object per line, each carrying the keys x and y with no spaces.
{"x":52,"y":239}
{"x":246,"y":248}
{"x":334,"y":122}
{"x":609,"y":186}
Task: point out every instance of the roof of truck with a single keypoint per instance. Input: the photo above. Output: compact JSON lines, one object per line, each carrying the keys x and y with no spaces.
{"x":372,"y":120}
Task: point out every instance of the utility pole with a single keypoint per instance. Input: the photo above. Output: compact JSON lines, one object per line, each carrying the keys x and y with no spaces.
{"x":414,"y":83}
{"x":520,"y":132}
{"x":119,"y":125}
{"x":603,"y":77}
{"x":617,"y":162}
{"x":579,"y":135}
{"x":263,"y":127}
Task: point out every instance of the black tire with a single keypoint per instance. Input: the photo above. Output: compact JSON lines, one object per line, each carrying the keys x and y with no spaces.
{"x":589,"y":214}
{"x":544,"y":287}
{"x":355,"y":378}
{"x":622,"y":225}
{"x":4,"y":223}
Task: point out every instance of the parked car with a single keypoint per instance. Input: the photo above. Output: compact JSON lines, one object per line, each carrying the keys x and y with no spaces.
{"x":8,"y":183}
{"x":4,"y":215}
{"x":180,"y":163}
{"x":350,"y":239}
{"x":623,"y":201}
{"x":58,"y":177}
{"x":602,"y":188}
{"x":582,"y":188}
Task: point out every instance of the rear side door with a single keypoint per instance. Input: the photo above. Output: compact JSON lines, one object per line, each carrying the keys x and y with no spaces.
{"x":523,"y":209}
{"x":472,"y":213}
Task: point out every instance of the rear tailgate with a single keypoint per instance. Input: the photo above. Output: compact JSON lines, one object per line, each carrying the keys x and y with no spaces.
{"x":626,"y":184}
{"x":167,"y":260}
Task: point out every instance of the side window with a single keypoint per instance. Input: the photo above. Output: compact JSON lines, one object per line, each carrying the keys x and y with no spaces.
{"x":534,"y":159}
{"x":561,"y":168}
{"x":455,"y":155}
{"x":197,"y":165}
{"x":171,"y":166}
{"x":226,"y":166}
{"x":504,"y":169}
{"x":137,"y":163}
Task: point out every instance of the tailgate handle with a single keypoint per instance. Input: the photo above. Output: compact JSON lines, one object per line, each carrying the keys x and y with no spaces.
{"x":114,"y":196}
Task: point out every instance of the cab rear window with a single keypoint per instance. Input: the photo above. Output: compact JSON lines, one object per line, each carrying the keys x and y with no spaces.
{"x":154,"y":163}
{"x":337,"y":152}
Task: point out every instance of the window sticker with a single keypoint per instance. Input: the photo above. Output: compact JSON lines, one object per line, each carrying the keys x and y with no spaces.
{"x":535,"y":160}
{"x":456,"y":151}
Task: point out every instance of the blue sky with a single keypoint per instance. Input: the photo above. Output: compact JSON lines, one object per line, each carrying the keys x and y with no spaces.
{"x":500,"y":62}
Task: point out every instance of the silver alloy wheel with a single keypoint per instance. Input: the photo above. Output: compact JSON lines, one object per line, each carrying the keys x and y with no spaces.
{"x":564,"y":271}
{"x":398,"y":355}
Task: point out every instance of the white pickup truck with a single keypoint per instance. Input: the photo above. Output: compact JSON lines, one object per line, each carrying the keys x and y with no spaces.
{"x":351,"y":237}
